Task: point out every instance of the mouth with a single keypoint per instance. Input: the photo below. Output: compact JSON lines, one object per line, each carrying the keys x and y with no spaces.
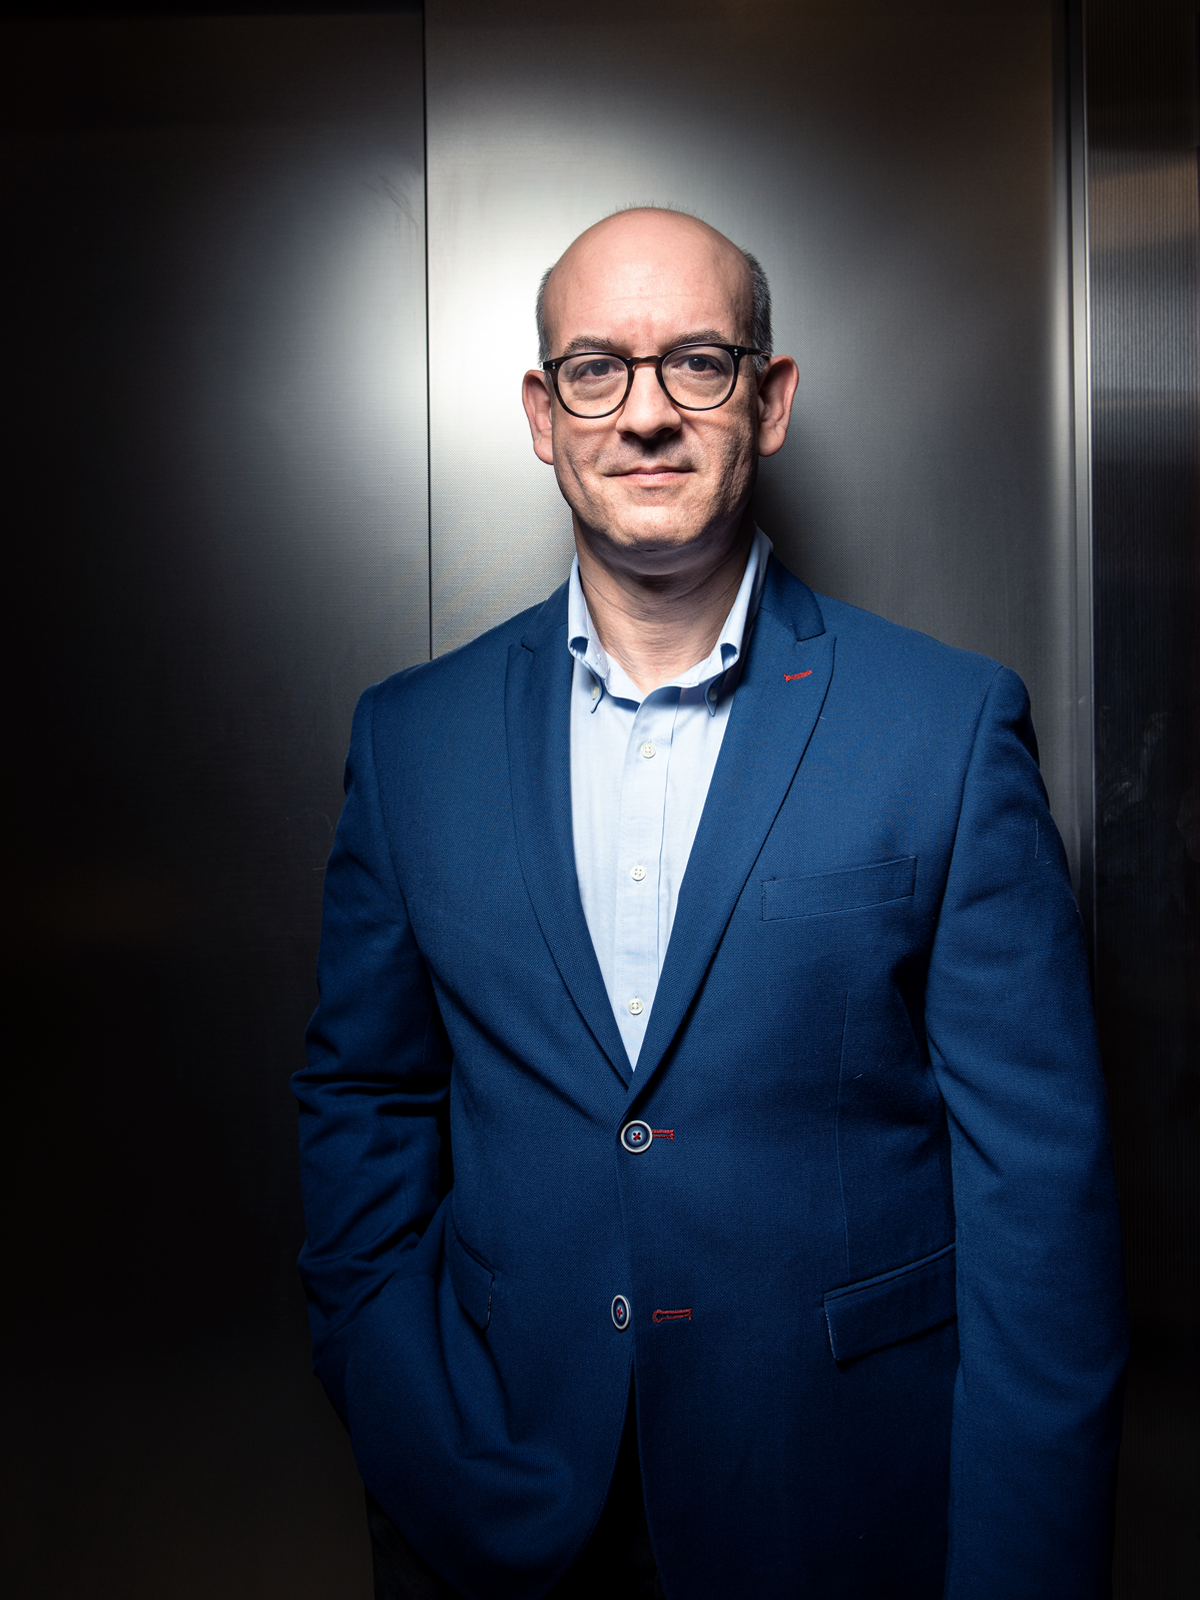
{"x":652,"y":477}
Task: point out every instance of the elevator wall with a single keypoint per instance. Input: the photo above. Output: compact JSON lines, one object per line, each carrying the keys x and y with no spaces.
{"x":216,"y":524}
{"x":1143,"y":132}
{"x":252,"y":467}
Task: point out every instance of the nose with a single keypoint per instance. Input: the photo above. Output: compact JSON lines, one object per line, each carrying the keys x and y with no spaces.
{"x":647,"y":410}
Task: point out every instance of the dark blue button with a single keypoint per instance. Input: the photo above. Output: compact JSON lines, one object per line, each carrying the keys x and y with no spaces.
{"x":620,"y":1312}
{"x":636,"y":1137}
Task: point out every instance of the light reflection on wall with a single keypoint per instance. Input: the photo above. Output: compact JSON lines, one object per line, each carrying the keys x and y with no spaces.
{"x":895,"y":170}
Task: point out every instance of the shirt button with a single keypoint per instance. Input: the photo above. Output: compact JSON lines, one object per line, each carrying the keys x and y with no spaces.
{"x":636,"y":1008}
{"x":647,"y":750}
{"x":620,"y":1312}
{"x":637,"y":874}
{"x":595,"y":691}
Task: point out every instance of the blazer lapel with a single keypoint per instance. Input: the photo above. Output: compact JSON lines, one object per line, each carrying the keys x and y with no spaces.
{"x":537,"y":694}
{"x":775,"y":708}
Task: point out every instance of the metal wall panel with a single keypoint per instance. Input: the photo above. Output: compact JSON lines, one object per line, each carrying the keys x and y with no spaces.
{"x":1143,"y":128}
{"x":216,"y":517}
{"x":901,"y":171}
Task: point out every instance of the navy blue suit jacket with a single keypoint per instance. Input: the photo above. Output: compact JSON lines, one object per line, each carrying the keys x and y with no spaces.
{"x":882,"y":1189}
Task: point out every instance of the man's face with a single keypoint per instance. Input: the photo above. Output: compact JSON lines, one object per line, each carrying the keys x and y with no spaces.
{"x":652,"y":481}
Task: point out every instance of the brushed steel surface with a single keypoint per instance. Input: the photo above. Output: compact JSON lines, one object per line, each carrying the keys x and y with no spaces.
{"x":1143,"y":127}
{"x":901,"y":171}
{"x":215,"y":501}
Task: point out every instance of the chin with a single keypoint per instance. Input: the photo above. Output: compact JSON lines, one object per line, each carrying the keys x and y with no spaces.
{"x":653,"y":533}
{"x":653,"y":522}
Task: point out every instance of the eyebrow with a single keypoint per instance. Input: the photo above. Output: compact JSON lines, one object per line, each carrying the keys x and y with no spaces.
{"x":588,"y":341}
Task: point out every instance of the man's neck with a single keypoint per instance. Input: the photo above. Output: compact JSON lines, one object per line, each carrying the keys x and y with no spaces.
{"x":657,"y":625}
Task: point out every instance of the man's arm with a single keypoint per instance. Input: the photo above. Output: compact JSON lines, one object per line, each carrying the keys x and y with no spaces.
{"x":373,"y":1098}
{"x":1040,"y":1296}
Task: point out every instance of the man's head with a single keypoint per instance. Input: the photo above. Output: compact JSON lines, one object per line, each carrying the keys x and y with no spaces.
{"x":655,"y":486}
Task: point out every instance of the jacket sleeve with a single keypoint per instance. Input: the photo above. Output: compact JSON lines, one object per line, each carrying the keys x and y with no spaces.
{"x":374,"y":1141}
{"x":1040,"y":1292}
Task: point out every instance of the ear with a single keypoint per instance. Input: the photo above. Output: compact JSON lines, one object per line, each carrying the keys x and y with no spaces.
{"x":776,"y":391}
{"x":535,"y":395}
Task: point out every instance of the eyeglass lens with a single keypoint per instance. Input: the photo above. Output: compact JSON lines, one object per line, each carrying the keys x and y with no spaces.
{"x":697,"y":376}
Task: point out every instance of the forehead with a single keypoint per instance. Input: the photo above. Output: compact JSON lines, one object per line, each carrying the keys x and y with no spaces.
{"x":652,"y":279}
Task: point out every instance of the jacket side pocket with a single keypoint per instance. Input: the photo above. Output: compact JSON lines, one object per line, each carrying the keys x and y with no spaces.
{"x":471,"y":1276}
{"x":895,"y":1305}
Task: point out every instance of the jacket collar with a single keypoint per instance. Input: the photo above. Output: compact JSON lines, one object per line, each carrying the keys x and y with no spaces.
{"x":785,"y":677}
{"x":713,"y":675}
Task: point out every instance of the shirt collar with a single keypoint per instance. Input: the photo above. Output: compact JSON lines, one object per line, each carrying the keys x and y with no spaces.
{"x":726,"y":653}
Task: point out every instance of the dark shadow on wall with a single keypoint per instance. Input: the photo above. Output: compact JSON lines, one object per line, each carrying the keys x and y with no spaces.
{"x":216,"y":527}
{"x":1143,"y":124}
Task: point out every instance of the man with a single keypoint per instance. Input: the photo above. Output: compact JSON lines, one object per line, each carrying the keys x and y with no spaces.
{"x":719,"y":935}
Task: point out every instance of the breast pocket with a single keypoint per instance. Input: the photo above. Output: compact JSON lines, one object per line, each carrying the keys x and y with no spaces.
{"x":839,"y":891}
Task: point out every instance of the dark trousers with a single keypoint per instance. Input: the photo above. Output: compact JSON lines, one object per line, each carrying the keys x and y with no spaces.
{"x":617,"y":1562}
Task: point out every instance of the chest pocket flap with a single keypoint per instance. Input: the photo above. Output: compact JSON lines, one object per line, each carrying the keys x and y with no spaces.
{"x":839,"y":891}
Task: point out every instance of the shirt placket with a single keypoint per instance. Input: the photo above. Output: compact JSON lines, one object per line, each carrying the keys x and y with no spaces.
{"x":639,"y":863}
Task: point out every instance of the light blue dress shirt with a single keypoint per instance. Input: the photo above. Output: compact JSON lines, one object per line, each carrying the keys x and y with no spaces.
{"x":640,"y":770}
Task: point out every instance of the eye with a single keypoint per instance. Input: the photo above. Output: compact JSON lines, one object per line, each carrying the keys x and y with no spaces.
{"x":591,"y":369}
{"x":698,"y":363}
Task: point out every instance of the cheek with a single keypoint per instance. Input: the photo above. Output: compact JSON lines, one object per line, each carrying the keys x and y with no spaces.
{"x":733,"y":453}
{"x":575,"y":455}
{"x":566,"y":445}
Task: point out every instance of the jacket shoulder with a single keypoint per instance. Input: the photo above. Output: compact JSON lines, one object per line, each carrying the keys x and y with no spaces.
{"x":874,"y":645}
{"x":457,"y":678}
{"x":869,"y":641}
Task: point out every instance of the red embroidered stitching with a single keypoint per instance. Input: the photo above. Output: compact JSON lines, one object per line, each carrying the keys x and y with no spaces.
{"x":790,"y":677}
{"x":673,"y":1316}
{"x":664,"y":1133}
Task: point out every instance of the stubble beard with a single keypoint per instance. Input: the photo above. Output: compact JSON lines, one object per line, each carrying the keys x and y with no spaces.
{"x":650,"y":523}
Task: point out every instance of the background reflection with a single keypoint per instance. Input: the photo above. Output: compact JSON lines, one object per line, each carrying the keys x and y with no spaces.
{"x":216,"y":512}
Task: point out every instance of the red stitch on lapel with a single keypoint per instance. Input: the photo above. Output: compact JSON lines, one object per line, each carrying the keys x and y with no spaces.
{"x":664,"y":1133}
{"x":673,"y":1316}
{"x":790,"y":677}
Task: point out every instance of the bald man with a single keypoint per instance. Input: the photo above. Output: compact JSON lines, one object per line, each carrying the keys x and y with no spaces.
{"x":705,"y":1159}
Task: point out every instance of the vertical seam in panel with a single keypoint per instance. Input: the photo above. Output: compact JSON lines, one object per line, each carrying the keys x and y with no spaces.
{"x":428,"y":352}
{"x":1081,"y":331}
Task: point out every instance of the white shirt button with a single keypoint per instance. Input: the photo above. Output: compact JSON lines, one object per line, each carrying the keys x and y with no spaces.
{"x":637,"y":874}
{"x":636,"y":1008}
{"x":595,"y":691}
{"x":647,"y":750}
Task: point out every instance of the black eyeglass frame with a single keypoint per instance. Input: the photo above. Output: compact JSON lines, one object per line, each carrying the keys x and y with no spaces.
{"x":737,"y":351}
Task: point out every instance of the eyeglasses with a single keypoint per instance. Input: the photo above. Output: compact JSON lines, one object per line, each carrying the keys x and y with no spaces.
{"x":697,"y":377}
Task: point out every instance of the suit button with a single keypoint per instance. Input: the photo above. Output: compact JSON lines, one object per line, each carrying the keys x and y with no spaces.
{"x":636,"y":1137}
{"x":620,"y":1312}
